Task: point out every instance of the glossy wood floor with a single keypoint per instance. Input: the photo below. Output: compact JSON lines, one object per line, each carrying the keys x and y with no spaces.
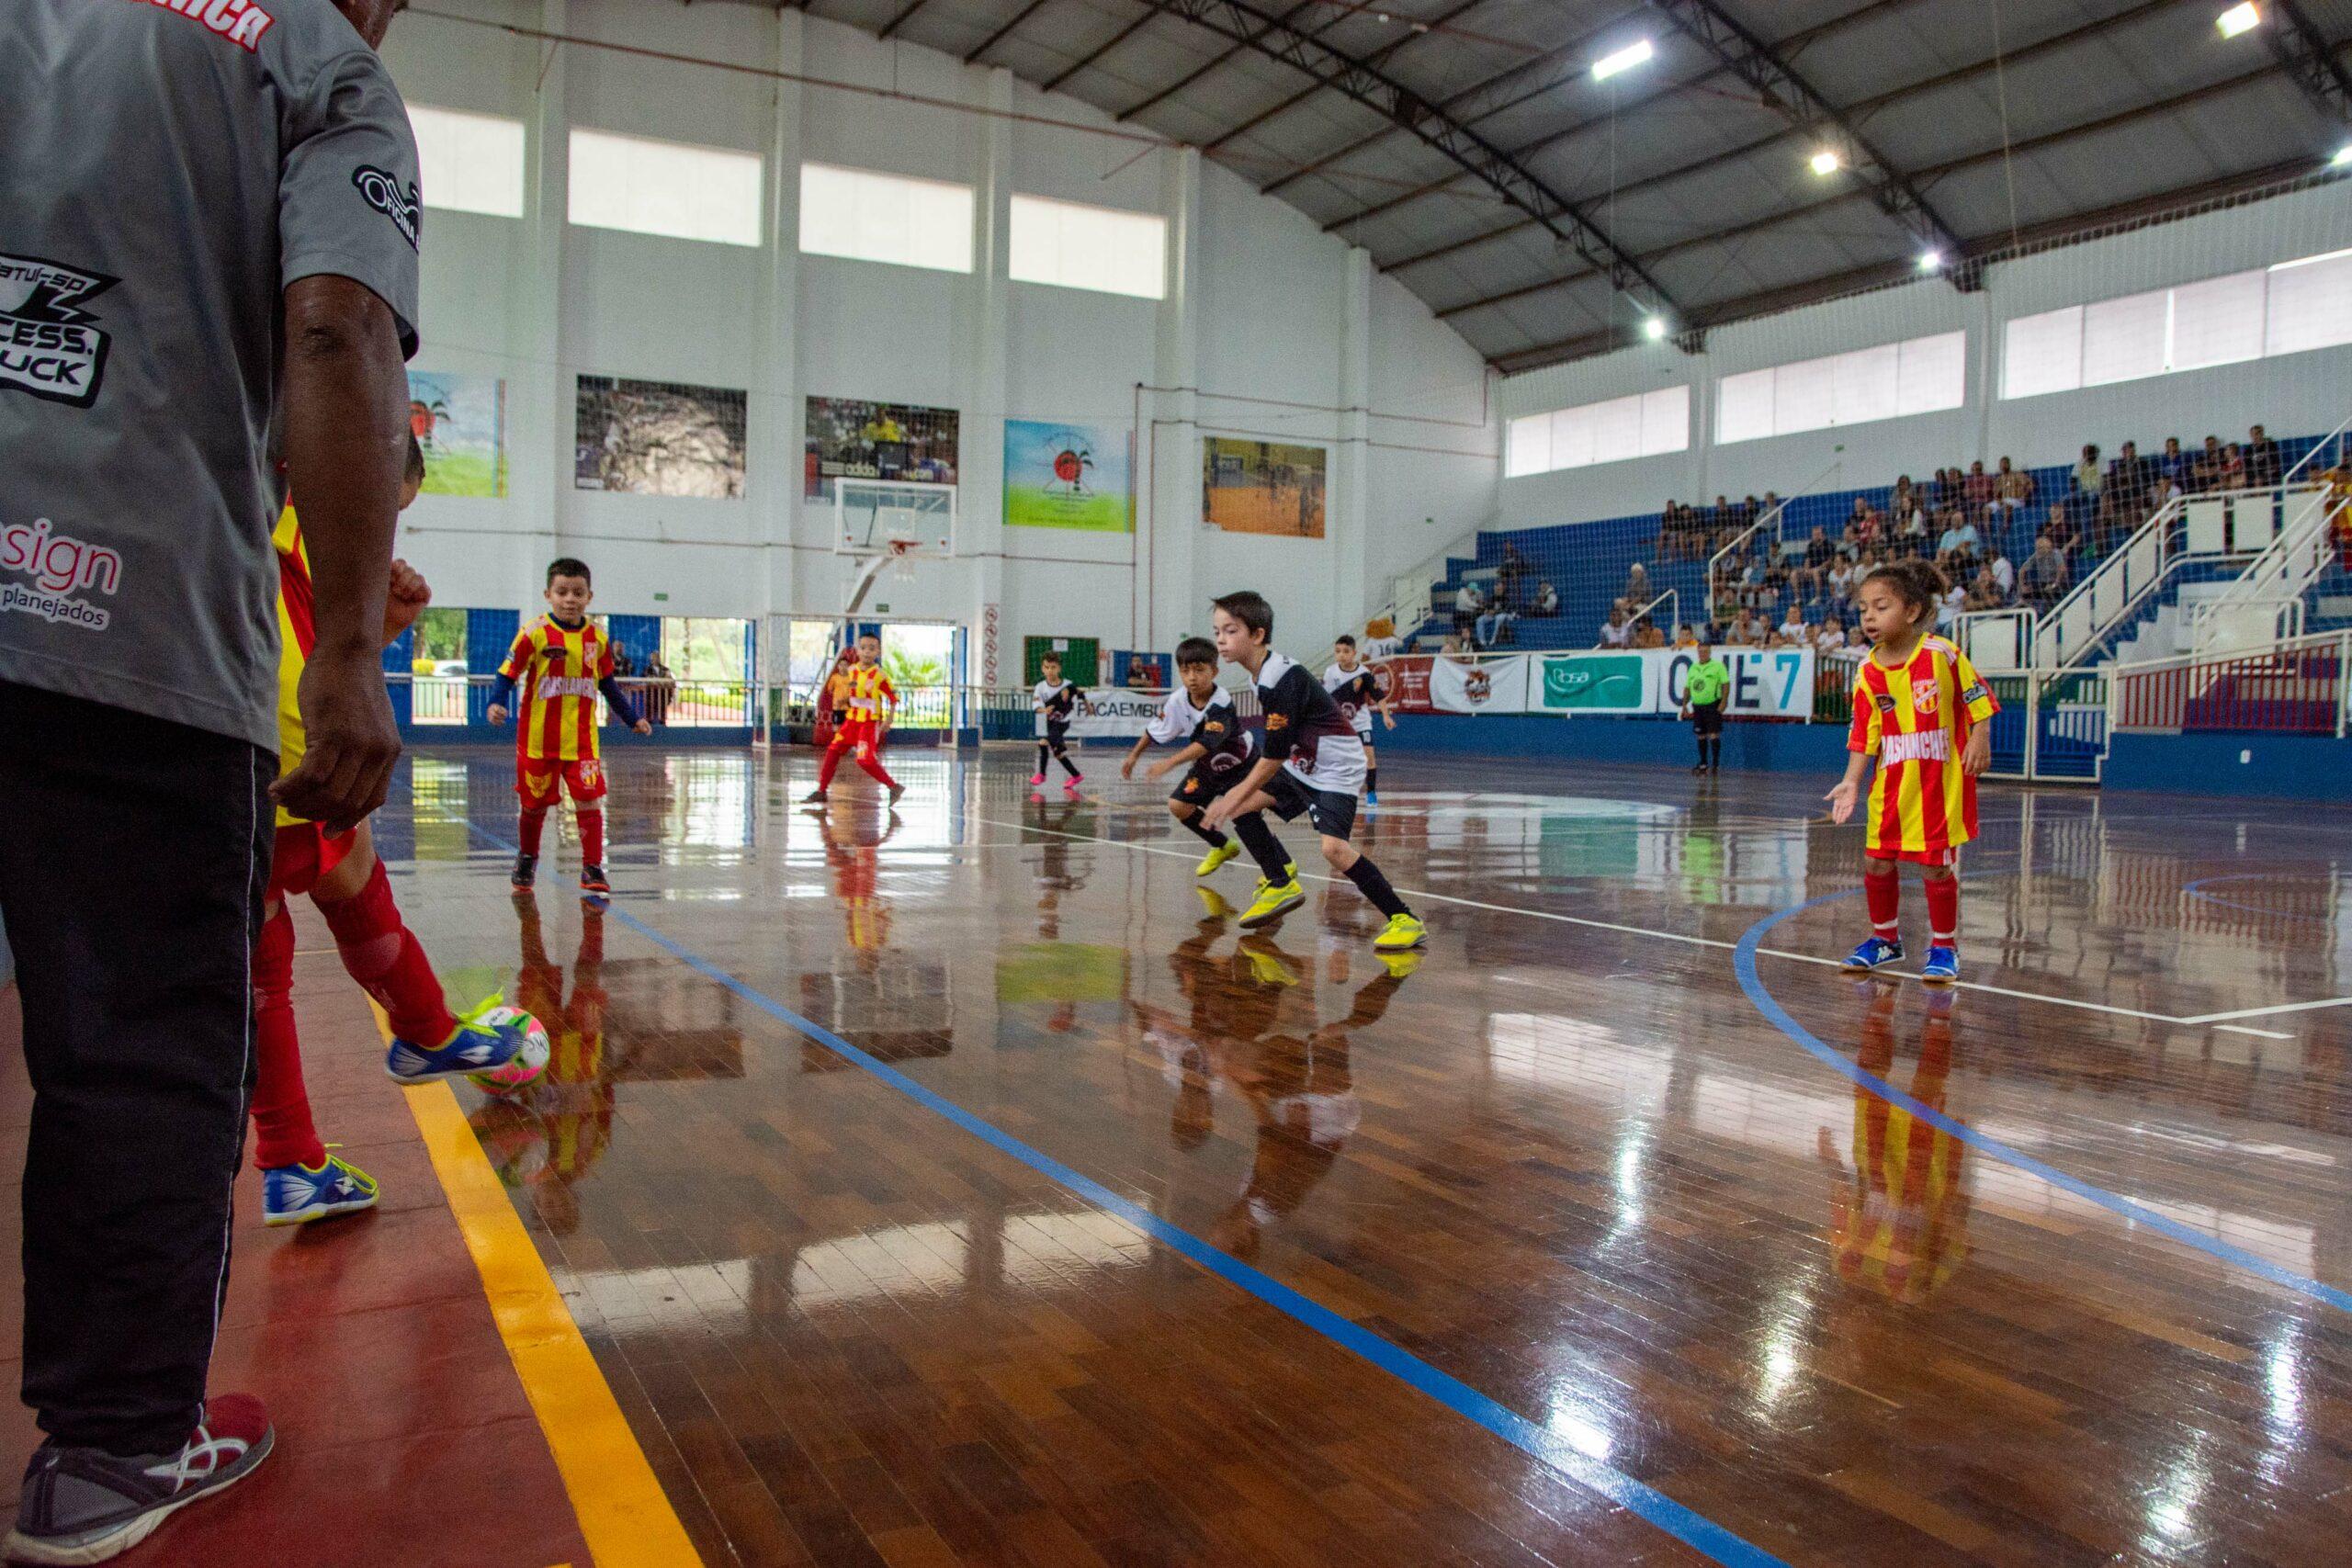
{"x":2073,"y":1295}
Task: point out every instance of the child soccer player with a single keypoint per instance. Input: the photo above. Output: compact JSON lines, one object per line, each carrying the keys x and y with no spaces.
{"x":1313,"y":763}
{"x":560,"y":662}
{"x":1199,"y":714}
{"x":860,"y":690}
{"x":1702,"y":705}
{"x":1356,"y":689}
{"x":1920,"y":709}
{"x":1056,"y":699}
{"x":301,"y":1181}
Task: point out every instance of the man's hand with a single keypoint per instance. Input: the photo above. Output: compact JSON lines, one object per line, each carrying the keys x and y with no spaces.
{"x":497,"y":714}
{"x":404,"y":600}
{"x":348,"y":764}
{"x":1842,"y":798}
{"x":1977,"y":755}
{"x":643,"y":726}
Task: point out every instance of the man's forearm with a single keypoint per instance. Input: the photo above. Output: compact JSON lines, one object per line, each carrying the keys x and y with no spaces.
{"x":345,"y":412}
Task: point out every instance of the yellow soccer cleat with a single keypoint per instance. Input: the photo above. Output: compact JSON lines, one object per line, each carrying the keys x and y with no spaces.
{"x":1213,"y":902}
{"x":1216,"y":857}
{"x":1402,"y":963}
{"x":1274,"y":900}
{"x":1267,"y":966}
{"x":1401,"y":933}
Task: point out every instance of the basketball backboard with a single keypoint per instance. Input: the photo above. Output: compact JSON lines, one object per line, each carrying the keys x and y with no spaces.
{"x":871,"y":515}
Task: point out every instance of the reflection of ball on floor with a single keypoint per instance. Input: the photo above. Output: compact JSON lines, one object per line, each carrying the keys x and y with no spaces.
{"x":525,"y":1064}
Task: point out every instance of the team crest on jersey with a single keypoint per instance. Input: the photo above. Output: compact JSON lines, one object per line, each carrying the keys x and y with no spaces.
{"x":591,"y":774}
{"x":1215,"y":727}
{"x":385,"y":193}
{"x":1925,"y":698}
{"x":50,"y":346}
{"x":1191,"y":787}
{"x":1885,"y":702}
{"x":1277,"y":721}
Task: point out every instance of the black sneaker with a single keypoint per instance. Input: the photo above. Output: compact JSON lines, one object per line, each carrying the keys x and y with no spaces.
{"x":592,"y":880}
{"x":527,"y":872}
{"x":87,"y":1505}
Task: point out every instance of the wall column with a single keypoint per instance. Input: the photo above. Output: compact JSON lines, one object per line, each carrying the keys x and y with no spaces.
{"x":541,"y":392}
{"x":1167,"y":454}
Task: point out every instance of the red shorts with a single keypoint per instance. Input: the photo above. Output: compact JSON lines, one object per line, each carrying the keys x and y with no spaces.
{"x":305,"y":852}
{"x":864,"y":734}
{"x":1948,"y":856}
{"x":540,"y":781}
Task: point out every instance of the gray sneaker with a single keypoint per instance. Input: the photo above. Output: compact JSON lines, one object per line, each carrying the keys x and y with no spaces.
{"x":87,"y":1506}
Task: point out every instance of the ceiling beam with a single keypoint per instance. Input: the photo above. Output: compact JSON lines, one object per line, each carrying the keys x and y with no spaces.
{"x":1763,"y":68}
{"x":1152,"y":9}
{"x":1231,"y":54}
{"x":1415,"y":31}
{"x":1005,"y":31}
{"x":2307,"y":58}
{"x":1369,"y":86}
{"x":903,"y":18}
{"x":2138,"y":212}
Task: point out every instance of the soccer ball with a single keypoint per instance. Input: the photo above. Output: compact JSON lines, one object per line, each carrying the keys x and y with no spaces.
{"x":525,"y":1066}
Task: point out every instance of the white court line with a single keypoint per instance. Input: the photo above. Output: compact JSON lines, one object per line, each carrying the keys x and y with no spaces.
{"x":2265,"y":1012}
{"x":1665,"y":936}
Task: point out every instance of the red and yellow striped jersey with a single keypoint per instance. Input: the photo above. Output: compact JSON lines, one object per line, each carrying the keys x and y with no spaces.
{"x":555,"y":670}
{"x":862,"y":691}
{"x":1916,"y":718}
{"x":297,"y":633}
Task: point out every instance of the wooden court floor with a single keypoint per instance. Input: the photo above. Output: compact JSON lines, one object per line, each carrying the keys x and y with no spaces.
{"x":960,"y":1185}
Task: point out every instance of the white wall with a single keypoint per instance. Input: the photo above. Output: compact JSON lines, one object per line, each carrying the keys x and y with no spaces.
{"x":1264,"y":306}
{"x":2297,"y":394}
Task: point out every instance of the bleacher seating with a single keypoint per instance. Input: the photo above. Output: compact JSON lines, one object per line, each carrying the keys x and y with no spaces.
{"x":1587,"y":562}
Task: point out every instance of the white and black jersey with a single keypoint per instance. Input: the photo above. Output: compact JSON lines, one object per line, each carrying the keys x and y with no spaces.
{"x":1215,"y":726}
{"x":1055,"y":703}
{"x":1357,"y":691}
{"x":1306,"y":731}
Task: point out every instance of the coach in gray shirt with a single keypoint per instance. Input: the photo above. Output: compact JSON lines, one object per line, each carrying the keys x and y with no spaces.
{"x":209,"y":220}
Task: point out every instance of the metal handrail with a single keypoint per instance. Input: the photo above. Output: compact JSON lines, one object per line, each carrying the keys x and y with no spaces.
{"x":1772,"y":517}
{"x":1634,"y":619}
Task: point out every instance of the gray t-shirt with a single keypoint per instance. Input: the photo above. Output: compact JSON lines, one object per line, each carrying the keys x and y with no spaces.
{"x":166,"y":169}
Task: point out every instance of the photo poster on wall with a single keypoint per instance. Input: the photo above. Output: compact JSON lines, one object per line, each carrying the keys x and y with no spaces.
{"x":1067,"y":476}
{"x":460,"y":421}
{"x":659,"y":438}
{"x":849,"y":438}
{"x":1262,"y":487}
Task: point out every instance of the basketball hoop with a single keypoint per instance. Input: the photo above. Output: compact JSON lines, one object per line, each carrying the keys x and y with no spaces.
{"x":901,"y":554}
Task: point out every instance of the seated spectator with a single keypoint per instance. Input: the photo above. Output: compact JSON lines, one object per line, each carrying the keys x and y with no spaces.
{"x":1947,"y":609}
{"x":1752,"y":582}
{"x":2060,"y":528}
{"x":1831,"y":635}
{"x":1914,"y":538}
{"x":2004,"y":576}
{"x":2089,"y":477}
{"x":1747,"y":631}
{"x":1494,"y":626}
{"x":1454,"y":648}
{"x":2233,"y":474}
{"x":1904,"y":497}
{"x":1507,"y":575}
{"x":2262,"y":461}
{"x":1467,"y":605}
{"x":1547,"y":599}
{"x":1685,"y":636}
{"x":1839,"y":582}
{"x":1849,"y":544}
{"x":1646,"y":635}
{"x":623,"y":665}
{"x":1616,"y":631}
{"x":1984,"y":593}
{"x":1752,"y":511}
{"x":2012,"y":489}
{"x":2172,"y":466}
{"x":2123,"y":500}
{"x":2043,"y":581}
{"x":1637,"y":590}
{"x":1141,"y":676}
{"x":1811,"y":570}
{"x":1792,"y":629}
{"x":1957,"y":547}
{"x":1864,"y":524}
{"x":1977,"y":488}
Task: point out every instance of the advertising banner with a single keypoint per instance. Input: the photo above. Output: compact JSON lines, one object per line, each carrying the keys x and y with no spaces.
{"x":1065,"y":476}
{"x":849,"y":438}
{"x":1766,"y":683}
{"x":1596,"y":683}
{"x":1405,"y":681}
{"x":1111,"y":713}
{"x":460,"y":421}
{"x":1262,"y":487}
{"x":1500,"y":686}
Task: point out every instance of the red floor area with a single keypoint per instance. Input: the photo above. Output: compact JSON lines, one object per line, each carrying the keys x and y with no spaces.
{"x":404,"y":1437}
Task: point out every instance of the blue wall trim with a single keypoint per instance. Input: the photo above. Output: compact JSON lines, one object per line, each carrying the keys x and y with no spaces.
{"x":1754,"y":748}
{"x":2277,"y":767}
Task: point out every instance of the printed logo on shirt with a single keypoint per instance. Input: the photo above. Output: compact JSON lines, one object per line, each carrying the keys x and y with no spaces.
{"x":61,"y":566}
{"x":50,"y":347}
{"x":550,"y":687}
{"x":1885,"y":702}
{"x":1277,"y":721}
{"x":1926,"y":697}
{"x":1919,"y":746}
{"x":1973,"y":694}
{"x":385,"y":193}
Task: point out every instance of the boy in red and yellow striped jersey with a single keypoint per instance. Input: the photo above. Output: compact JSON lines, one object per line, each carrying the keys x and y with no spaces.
{"x":1921,"y":710}
{"x":858,"y":692}
{"x":559,"y":664}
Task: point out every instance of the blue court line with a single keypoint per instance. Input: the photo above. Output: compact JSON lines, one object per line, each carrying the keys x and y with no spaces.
{"x":1691,"y":1528}
{"x":2197,"y":890}
{"x":1744,"y":963}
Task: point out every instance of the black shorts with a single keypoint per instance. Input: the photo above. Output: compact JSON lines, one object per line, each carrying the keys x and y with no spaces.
{"x":1203,"y":783}
{"x":1056,"y":731}
{"x":1707,"y":719}
{"x":1332,"y":813}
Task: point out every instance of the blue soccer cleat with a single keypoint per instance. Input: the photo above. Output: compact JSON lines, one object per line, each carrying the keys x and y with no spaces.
{"x":483,"y":1044}
{"x":1875,"y":952}
{"x":296,"y":1194}
{"x":1942,"y":967}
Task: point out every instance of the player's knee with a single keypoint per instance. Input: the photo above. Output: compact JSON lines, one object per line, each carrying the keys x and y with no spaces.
{"x":1936,"y":872}
{"x":1340,"y":854}
{"x":1181,"y":812}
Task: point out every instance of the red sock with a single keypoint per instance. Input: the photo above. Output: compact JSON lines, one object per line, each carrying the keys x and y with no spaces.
{"x":1885,"y":896}
{"x":591,"y":837}
{"x":283,"y":1134}
{"x":831,"y":765}
{"x":872,"y":762}
{"x":535,"y":822}
{"x":383,"y":955}
{"x":1944,"y":910}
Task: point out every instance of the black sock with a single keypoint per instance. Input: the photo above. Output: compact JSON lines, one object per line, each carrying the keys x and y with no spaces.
{"x":1210,"y":836}
{"x":1372,"y":780}
{"x":1366,"y":875}
{"x":1263,"y":847}
{"x":1068,"y":766}
{"x":1042,"y":755}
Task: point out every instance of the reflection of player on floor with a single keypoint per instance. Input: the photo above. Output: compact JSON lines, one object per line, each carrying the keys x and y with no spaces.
{"x":1214,"y":743}
{"x":1312,"y":765}
{"x":1055,"y":701}
{"x":1899,"y":1219}
{"x":1355,"y":687}
{"x":863,"y":692}
{"x":561,"y":663}
{"x":300,"y":1181}
{"x":548,"y":1138}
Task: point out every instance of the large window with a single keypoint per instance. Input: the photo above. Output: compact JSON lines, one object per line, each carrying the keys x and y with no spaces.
{"x":1099,"y":248}
{"x":1645,"y":424}
{"x":471,"y":163}
{"x":670,"y":189}
{"x":867,"y":215}
{"x":2287,"y":309}
{"x":1923,"y":374}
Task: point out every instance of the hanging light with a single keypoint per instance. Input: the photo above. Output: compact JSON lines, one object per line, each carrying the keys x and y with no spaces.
{"x":1827,"y":162}
{"x":1625,"y":59}
{"x":2240,"y":18}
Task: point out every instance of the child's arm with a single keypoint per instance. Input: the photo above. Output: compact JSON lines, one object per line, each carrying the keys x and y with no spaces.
{"x":624,"y":706}
{"x":502,"y":691}
{"x":1848,"y":791}
{"x":1185,"y":758}
{"x":1135,"y":755}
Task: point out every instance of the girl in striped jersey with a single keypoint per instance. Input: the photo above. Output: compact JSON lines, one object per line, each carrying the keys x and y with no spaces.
{"x":1920,"y":710}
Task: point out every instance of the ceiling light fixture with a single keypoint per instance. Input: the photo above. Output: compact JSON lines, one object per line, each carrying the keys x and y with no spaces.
{"x":1931,"y":261}
{"x":2240,"y":18}
{"x":1653,"y":327}
{"x":1625,"y":59}
{"x":1827,"y":162}
{"x":2342,"y":156}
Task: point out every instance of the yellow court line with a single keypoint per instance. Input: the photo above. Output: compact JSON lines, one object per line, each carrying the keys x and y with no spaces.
{"x":623,"y":1514}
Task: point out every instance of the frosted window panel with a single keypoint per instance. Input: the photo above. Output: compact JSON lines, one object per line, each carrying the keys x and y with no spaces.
{"x":1099,"y":248}
{"x":1934,"y":373}
{"x":2218,"y":322}
{"x":2123,"y":340}
{"x":1744,"y":407}
{"x":470,"y":162}
{"x":1666,"y":421}
{"x":2042,"y":354}
{"x":1617,"y":429}
{"x":2310,"y":304}
{"x":865,"y":215}
{"x":1805,"y":396}
{"x":1572,"y":438}
{"x":1531,"y":446}
{"x":1862,"y":385}
{"x":670,"y":189}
